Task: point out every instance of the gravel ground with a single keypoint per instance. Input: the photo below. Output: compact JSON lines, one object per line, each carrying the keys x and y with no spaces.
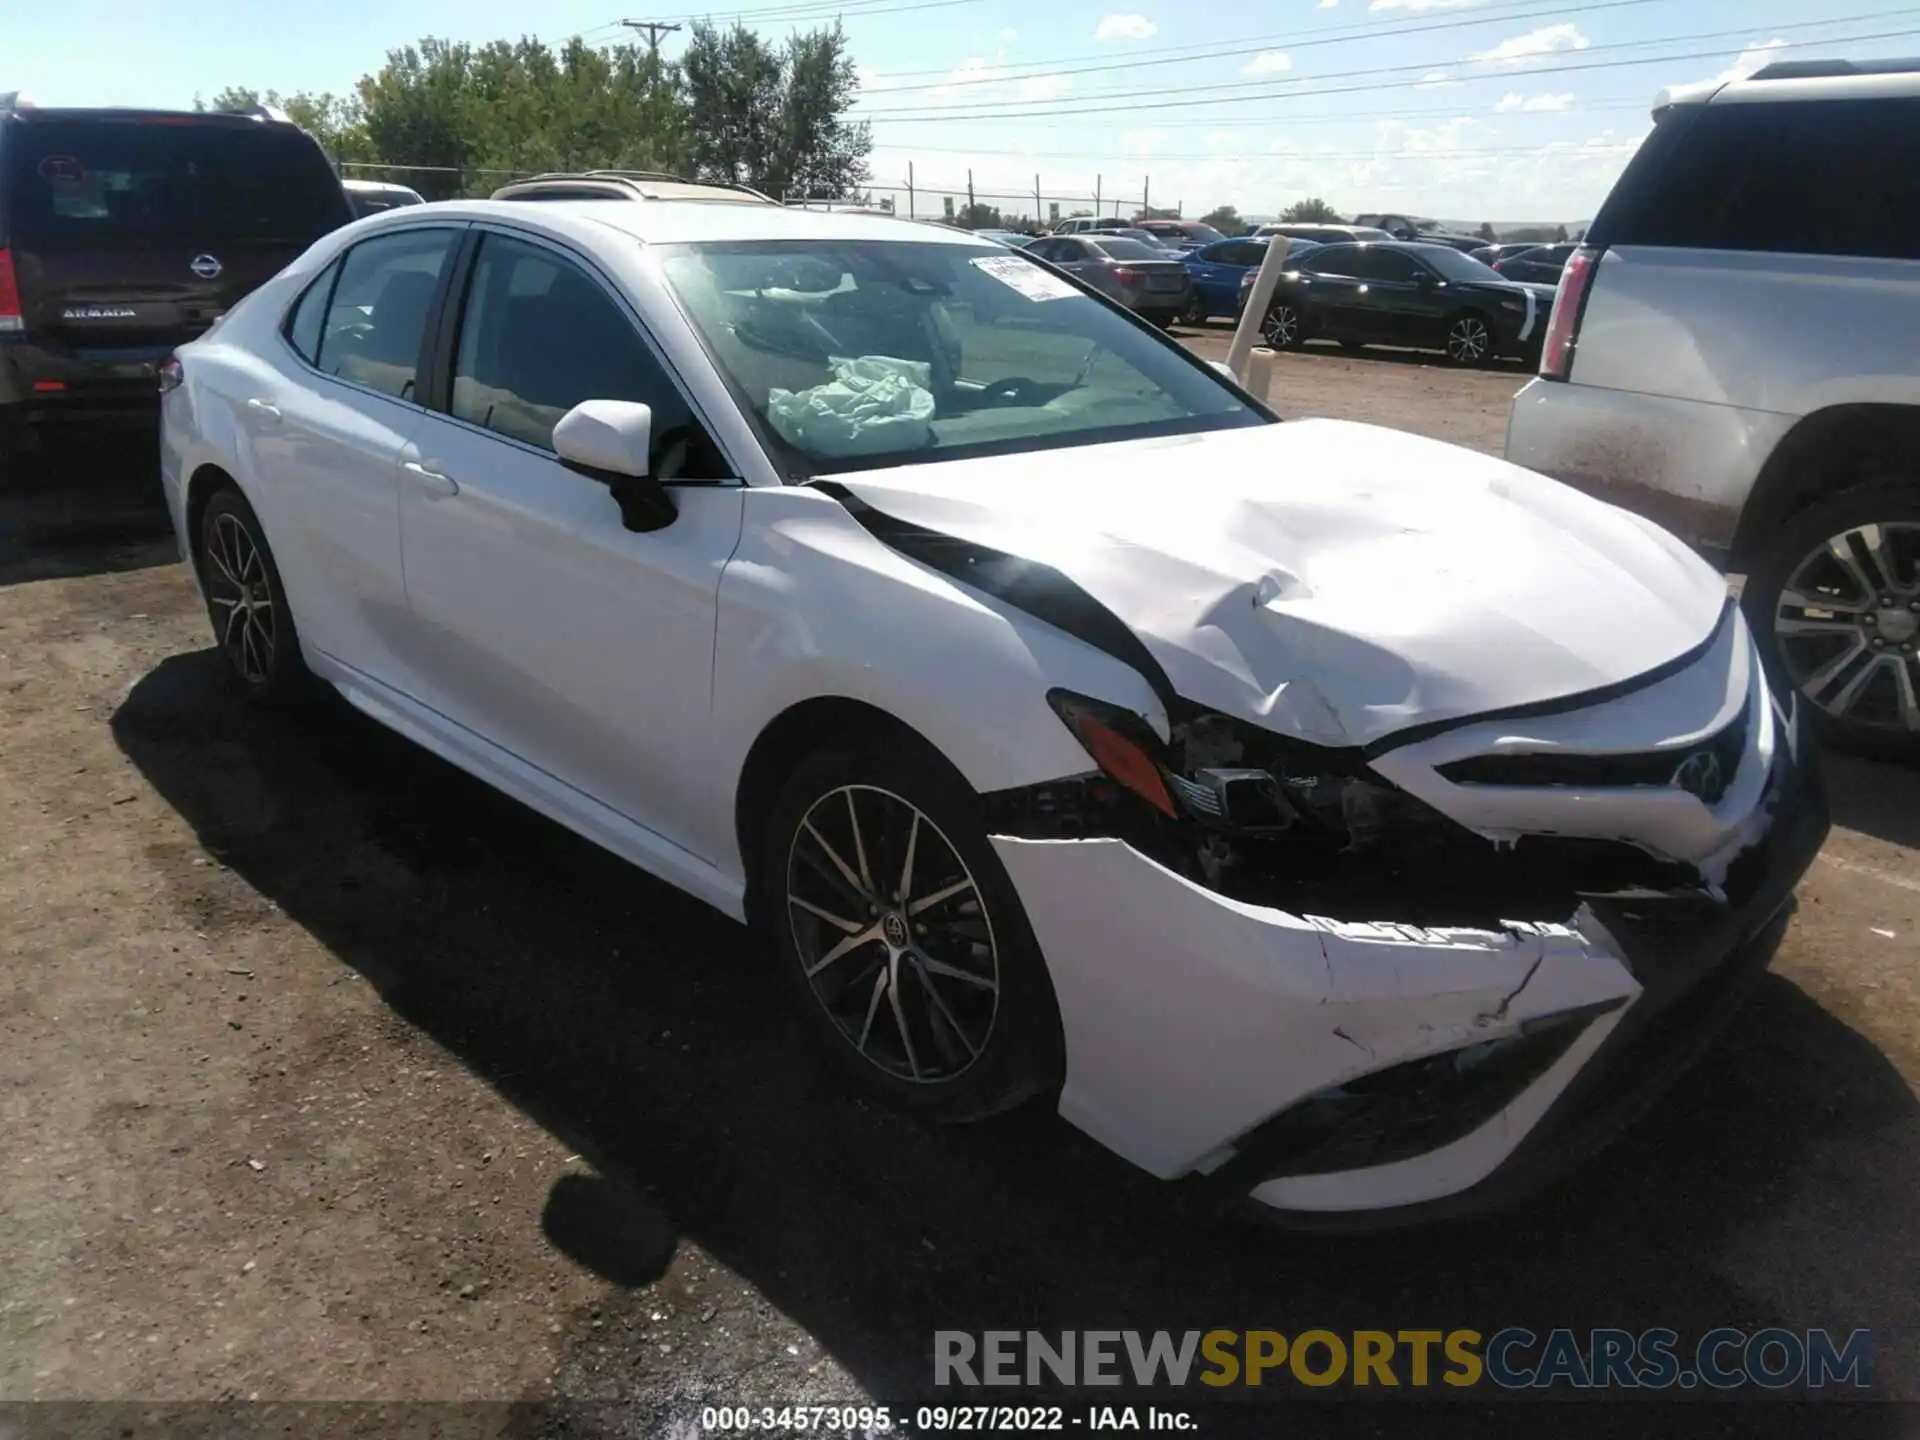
{"x":329,"y":1075}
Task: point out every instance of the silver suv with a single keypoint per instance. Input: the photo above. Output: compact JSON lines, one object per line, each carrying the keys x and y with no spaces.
{"x":1735,"y":353}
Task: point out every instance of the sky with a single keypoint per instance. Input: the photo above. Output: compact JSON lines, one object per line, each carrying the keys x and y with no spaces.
{"x":1502,"y":110}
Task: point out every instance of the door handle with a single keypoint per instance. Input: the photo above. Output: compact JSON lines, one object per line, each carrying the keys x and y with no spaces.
{"x":264,"y":407}
{"x":432,"y":480}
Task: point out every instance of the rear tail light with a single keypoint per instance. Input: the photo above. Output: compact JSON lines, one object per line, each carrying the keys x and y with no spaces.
{"x":1569,"y":300}
{"x":1500,"y":266}
{"x":11,"y":318}
{"x":169,"y":375}
{"x":1127,"y":275}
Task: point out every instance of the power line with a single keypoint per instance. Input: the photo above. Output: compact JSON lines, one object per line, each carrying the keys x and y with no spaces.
{"x":1191,"y":95}
{"x":1257,"y":44}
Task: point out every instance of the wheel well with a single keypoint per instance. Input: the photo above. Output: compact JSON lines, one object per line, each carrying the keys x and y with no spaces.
{"x":202,"y":486}
{"x":793,"y":735}
{"x":1826,"y":452}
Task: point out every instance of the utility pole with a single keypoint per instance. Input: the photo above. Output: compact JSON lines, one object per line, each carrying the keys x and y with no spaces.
{"x":1096,"y":197}
{"x":969,"y":193}
{"x":1146,"y":195}
{"x":653,"y":29}
{"x":1036,"y":199}
{"x":910,"y":189}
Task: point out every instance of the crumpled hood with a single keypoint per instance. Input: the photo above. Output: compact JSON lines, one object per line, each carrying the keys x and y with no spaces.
{"x":1330,"y":580}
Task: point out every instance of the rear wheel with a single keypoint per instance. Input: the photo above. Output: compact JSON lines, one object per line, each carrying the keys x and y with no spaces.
{"x":1469,"y":341}
{"x":1194,"y":315}
{"x":247,"y":603}
{"x":1834,"y":597}
{"x":1283,"y":329}
{"x":902,"y":936}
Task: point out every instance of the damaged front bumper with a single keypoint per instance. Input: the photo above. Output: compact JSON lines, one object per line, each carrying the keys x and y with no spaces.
{"x":1346,"y":1074}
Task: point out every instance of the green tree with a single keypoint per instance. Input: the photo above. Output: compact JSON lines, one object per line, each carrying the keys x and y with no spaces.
{"x":1311,"y":211}
{"x":1485,"y":232}
{"x":774,"y":118}
{"x":1559,"y":234}
{"x":1225,"y":219}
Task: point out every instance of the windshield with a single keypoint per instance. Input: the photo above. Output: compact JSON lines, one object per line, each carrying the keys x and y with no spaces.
{"x":173,"y":181}
{"x":864,"y":354}
{"x":1453,"y":265}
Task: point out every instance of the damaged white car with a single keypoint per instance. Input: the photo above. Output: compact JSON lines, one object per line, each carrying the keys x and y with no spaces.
{"x":1317,"y":814}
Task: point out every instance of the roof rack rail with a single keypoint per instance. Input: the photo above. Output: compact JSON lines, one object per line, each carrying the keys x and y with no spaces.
{"x":611,"y":185}
{"x":272,"y":114}
{"x":1825,"y":69}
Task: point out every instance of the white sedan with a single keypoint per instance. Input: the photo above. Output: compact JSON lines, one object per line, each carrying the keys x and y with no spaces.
{"x":1316,"y":814}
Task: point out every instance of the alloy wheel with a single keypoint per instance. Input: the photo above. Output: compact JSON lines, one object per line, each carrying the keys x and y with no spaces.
{"x":241,"y":598}
{"x":892,"y":934}
{"x":1847,"y":625}
{"x":1282,"y":327}
{"x":1467,"y":340}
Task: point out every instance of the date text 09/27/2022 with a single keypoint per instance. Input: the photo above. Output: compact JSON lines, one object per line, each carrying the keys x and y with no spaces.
{"x":869,"y":1420}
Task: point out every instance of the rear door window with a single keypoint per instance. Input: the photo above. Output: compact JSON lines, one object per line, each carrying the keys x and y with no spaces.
{"x":1335,"y":260}
{"x":1827,"y":177}
{"x":377,"y":316}
{"x":174,"y":180}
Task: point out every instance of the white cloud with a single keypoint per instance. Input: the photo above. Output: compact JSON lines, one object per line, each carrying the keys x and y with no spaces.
{"x":1044,"y":87}
{"x":1748,"y":61}
{"x":1126,"y":27}
{"x":1547,"y":40}
{"x":1329,"y":4}
{"x":1436,"y":80}
{"x":1425,"y":4}
{"x":970,"y":79}
{"x":1268,"y":62}
{"x":1533,"y":104}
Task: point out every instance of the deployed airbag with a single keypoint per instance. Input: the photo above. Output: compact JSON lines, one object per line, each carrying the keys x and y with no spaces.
{"x":875,"y":404}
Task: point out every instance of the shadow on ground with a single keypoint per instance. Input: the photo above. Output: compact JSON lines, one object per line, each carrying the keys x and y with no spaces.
{"x":646,"y":1033}
{"x":1875,"y":798}
{"x":84,"y":506}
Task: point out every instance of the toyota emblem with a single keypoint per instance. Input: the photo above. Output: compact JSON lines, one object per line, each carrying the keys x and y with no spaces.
{"x":206,"y":267}
{"x":1699,"y":774}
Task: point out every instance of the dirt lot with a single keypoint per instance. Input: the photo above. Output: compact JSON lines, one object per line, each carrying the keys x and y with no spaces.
{"x":327,"y":1074}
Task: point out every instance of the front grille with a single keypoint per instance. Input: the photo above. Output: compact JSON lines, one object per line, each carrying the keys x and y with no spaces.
{"x":1705,"y":770}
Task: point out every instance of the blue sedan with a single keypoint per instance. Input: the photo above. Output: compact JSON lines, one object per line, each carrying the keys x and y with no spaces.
{"x":1221,"y":272}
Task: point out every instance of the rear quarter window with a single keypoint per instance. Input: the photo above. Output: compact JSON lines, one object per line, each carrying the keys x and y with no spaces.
{"x":1827,"y":177}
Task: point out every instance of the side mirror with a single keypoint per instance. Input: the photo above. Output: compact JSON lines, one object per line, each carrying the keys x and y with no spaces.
{"x":612,"y":441}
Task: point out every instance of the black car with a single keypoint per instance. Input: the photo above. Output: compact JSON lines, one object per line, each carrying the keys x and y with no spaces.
{"x":124,"y":233}
{"x":1429,"y":297}
{"x":1540,"y":266}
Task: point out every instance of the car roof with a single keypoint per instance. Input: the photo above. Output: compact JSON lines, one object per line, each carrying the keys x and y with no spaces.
{"x":667,"y":221}
{"x":31,"y":114}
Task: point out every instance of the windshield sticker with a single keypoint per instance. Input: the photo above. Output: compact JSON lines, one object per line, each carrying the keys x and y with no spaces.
{"x":1026,"y":277}
{"x":63,"y":170}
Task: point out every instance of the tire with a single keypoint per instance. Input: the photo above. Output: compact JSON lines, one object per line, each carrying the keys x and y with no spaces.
{"x":978,"y":1045}
{"x":1194,"y":316}
{"x":1469,"y":339}
{"x":1863,"y":697}
{"x":253,"y":626}
{"x":1285,"y":327}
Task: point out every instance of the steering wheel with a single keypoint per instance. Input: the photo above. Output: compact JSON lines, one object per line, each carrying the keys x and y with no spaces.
{"x":1019,"y":390}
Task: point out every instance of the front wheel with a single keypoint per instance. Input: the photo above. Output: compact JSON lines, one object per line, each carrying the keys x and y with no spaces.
{"x":1283,"y":329}
{"x":1469,"y":342}
{"x":901,"y":935}
{"x":1834,"y":597}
